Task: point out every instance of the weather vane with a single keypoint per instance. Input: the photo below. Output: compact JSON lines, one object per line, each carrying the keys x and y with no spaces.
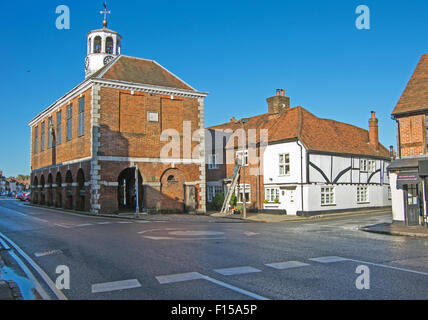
{"x":105,"y":12}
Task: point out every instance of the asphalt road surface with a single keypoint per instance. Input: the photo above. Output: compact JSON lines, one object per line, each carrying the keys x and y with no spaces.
{"x":206,"y":259}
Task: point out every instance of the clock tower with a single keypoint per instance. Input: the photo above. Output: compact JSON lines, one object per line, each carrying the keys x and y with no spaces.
{"x":103,"y":46}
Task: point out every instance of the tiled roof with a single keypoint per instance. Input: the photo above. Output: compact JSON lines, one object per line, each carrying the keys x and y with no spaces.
{"x":316,"y":134}
{"x":141,"y":71}
{"x":415,"y":96}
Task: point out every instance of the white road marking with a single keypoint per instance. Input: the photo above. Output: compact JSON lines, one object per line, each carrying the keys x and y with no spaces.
{"x":242,"y":291}
{"x":180,"y":277}
{"x":153,"y":230}
{"x":197,"y":276}
{"x":329,"y":259}
{"x":195,"y":233}
{"x":237,"y":270}
{"x":115,"y":286}
{"x":104,"y":222}
{"x":62,"y":226}
{"x":124,"y":222}
{"x":48,"y":253}
{"x":84,"y":225}
{"x":249,"y":234}
{"x":181,"y":239}
{"x":287,"y":265}
{"x":389,"y":267}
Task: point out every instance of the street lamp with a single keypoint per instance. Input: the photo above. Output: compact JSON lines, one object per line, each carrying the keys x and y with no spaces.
{"x":242,"y":122}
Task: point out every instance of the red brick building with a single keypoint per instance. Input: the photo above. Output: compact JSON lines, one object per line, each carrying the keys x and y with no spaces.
{"x":409,"y":173}
{"x":130,"y":125}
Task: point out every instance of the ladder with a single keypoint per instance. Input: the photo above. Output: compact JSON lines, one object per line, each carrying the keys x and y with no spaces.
{"x":231,"y":190}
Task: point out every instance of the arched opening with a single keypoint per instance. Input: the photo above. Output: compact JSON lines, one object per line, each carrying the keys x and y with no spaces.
{"x":81,"y":192}
{"x":49,"y":191}
{"x":126,"y":193}
{"x":35,"y":191}
{"x":97,"y":44}
{"x":69,"y":190}
{"x":172,"y":189}
{"x":89,"y":45}
{"x":42,"y":190}
{"x":109,"y":45}
{"x":58,"y":182}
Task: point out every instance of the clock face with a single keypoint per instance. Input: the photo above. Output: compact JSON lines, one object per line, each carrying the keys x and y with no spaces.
{"x":108,"y":59}
{"x":86,"y":63}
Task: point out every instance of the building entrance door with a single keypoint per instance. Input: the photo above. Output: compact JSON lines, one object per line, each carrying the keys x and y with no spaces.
{"x":412,"y":205}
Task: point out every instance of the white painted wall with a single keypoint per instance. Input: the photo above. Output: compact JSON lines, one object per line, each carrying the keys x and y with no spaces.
{"x":397,"y":199}
{"x":289,"y":185}
{"x":346,"y":197}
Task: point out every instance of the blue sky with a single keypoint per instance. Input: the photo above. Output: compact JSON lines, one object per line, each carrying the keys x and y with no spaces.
{"x":238,"y":51}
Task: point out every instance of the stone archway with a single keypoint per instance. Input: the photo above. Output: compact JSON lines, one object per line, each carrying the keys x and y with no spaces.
{"x":42,"y":190}
{"x":58,"y":196}
{"x":126,"y":190}
{"x":81,"y":192}
{"x":35,"y":191}
{"x":172,"y":190}
{"x":49,"y":193}
{"x":69,"y":190}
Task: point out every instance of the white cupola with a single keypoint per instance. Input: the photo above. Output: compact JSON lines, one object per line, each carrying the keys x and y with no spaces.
{"x":103,"y":46}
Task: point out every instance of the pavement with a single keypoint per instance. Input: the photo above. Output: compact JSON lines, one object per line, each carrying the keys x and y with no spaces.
{"x":9,"y":290}
{"x":273,"y":218}
{"x":397,"y":230}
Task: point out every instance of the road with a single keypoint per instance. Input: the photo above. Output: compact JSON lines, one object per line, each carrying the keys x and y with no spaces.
{"x":204,"y":259}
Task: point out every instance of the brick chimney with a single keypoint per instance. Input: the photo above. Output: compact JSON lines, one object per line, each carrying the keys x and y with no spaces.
{"x":278,"y":103}
{"x":374,"y":131}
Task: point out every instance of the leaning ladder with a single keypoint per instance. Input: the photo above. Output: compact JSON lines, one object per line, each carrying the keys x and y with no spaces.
{"x":231,"y":190}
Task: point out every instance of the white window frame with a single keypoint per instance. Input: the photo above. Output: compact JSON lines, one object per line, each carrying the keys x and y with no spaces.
{"x":271,"y":194}
{"x":284,"y":164}
{"x":328,"y":196}
{"x":239,"y":193}
{"x":212,"y":190}
{"x":363,"y":165}
{"x":243,"y":154}
{"x":363,"y":194}
{"x":371,"y":165}
{"x":212,"y":162}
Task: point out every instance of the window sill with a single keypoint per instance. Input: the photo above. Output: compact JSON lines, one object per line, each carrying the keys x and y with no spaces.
{"x":365,"y":202}
{"x":328,"y":205}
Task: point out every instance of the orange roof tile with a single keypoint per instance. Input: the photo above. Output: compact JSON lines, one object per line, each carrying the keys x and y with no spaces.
{"x":415,"y":96}
{"x":315,"y":133}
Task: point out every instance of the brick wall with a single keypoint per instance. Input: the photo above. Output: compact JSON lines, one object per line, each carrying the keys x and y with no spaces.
{"x":77,"y":147}
{"x":412,"y":135}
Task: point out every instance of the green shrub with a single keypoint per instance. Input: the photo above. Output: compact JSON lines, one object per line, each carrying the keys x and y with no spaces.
{"x":233,"y":200}
{"x":276,"y":200}
{"x":218,"y":201}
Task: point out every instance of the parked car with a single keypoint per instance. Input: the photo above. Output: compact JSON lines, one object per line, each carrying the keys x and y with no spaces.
{"x":26,"y":196}
{"x":18,"y":195}
{"x":22,"y":195}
